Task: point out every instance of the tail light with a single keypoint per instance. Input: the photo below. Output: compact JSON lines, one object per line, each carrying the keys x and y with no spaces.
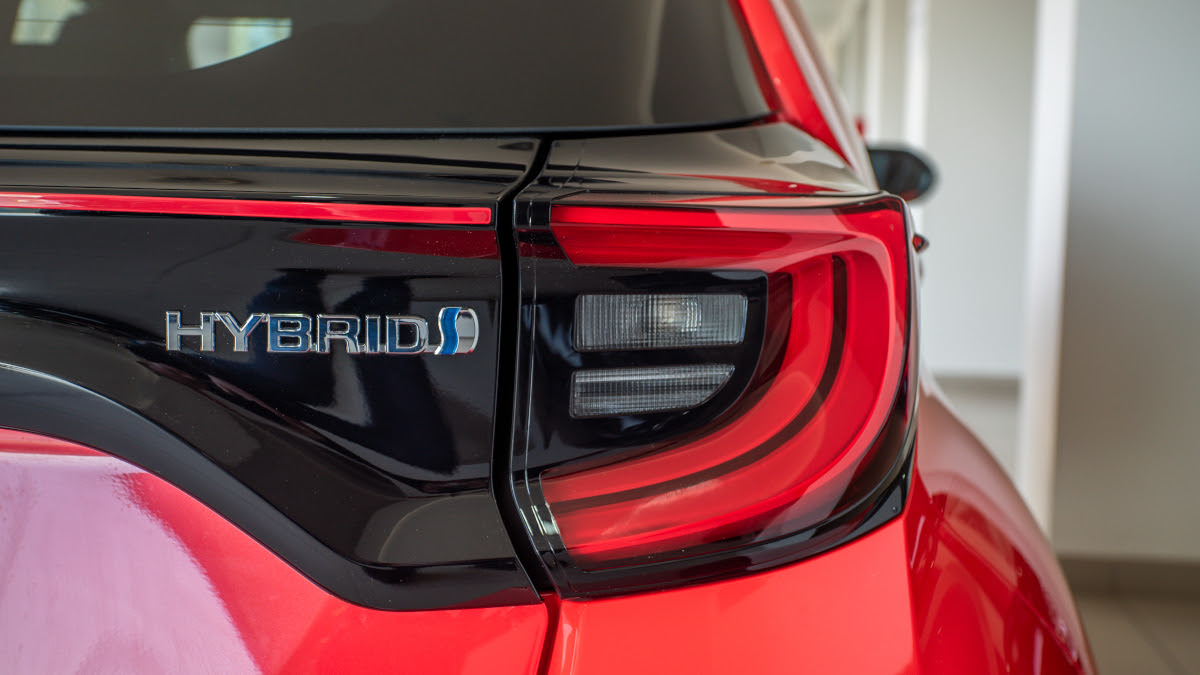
{"x":709,"y":390}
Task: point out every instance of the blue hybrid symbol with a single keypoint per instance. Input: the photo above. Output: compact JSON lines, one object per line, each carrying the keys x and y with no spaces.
{"x":448,"y":325}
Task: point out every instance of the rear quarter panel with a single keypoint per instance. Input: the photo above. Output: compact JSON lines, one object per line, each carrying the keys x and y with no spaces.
{"x":107,"y":568}
{"x":963,"y":582}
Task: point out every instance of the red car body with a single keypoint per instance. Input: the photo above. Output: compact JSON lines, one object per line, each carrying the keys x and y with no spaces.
{"x":106,"y":567}
{"x":963,"y":582}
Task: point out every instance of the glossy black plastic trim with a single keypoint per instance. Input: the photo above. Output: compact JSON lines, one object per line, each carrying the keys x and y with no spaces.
{"x":375,"y":469}
{"x":50,"y":406}
{"x":511,"y":339}
{"x":768,"y":158}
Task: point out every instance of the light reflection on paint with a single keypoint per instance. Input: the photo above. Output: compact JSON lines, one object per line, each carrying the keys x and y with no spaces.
{"x":107,"y":568}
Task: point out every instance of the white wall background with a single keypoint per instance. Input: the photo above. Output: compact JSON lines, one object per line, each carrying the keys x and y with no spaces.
{"x":964,"y":94}
{"x":886,"y":118}
{"x":977,"y":131}
{"x":1128,"y":473}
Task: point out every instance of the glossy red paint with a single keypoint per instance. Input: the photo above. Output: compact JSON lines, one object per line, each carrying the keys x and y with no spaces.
{"x":966,"y":518}
{"x":106,"y":568}
{"x":784,"y":464}
{"x":22,"y":443}
{"x":248,"y":208}
{"x":963,"y":582}
{"x":798,"y":79}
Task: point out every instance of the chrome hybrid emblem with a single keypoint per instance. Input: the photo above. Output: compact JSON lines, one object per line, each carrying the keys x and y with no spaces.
{"x":458,"y":331}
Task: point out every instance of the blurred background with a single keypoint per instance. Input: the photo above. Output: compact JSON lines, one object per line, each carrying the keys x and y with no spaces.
{"x":1061,"y":292}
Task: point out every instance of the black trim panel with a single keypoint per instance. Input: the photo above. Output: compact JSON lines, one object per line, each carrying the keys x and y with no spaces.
{"x":40,"y":403}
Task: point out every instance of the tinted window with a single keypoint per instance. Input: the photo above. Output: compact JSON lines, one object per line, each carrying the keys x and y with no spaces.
{"x":364,"y":64}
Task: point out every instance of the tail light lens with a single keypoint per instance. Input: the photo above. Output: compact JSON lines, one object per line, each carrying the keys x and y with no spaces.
{"x":709,"y":389}
{"x":658,"y":321}
{"x":623,"y":391}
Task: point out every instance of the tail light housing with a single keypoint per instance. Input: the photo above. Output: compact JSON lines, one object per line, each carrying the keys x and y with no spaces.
{"x":709,"y":388}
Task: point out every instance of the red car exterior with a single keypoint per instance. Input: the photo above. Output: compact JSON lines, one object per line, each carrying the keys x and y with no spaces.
{"x":963,"y":582}
{"x":106,"y":567}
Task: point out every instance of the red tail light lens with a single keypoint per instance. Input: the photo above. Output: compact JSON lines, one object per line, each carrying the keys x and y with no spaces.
{"x":795,"y":459}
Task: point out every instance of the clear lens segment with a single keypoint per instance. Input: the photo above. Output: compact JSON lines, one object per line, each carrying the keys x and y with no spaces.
{"x":614,"y":322}
{"x":629,"y":391}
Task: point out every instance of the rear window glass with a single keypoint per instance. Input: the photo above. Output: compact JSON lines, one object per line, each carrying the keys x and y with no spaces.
{"x":373,"y":64}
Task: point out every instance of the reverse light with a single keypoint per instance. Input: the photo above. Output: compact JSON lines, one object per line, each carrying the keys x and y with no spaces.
{"x":675,"y":433}
{"x":660,"y":321}
{"x":625,"y":391}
